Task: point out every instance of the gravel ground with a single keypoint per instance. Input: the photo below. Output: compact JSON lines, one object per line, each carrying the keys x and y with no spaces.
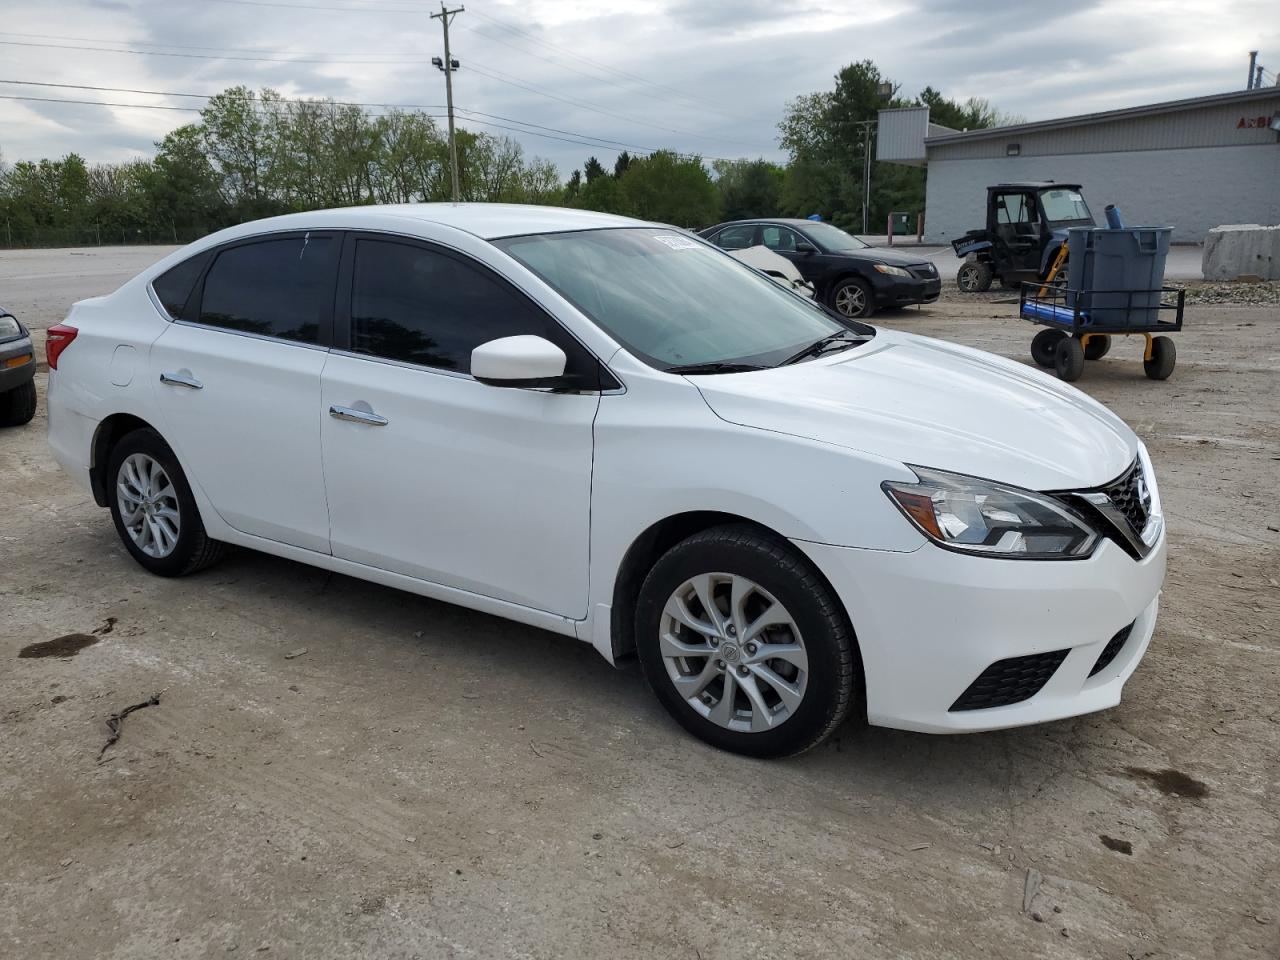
{"x":335,"y":769}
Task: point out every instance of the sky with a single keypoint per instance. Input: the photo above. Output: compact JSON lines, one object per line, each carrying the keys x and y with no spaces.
{"x":709,"y":77}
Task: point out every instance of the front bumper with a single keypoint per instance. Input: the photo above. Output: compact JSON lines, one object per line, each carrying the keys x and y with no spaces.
{"x":930,"y":622}
{"x":17,"y":363}
{"x":891,"y":291}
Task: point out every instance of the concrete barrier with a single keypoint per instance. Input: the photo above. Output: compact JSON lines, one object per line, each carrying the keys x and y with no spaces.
{"x":1242,"y":250}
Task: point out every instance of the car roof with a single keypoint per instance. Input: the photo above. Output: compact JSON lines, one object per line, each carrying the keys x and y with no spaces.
{"x":786,"y":221}
{"x":1033,"y":185}
{"x":486,"y":220}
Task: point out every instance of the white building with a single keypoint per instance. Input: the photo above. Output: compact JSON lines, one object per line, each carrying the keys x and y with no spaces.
{"x":1190,"y":164}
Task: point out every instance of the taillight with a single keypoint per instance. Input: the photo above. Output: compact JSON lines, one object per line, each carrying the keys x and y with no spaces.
{"x":57,"y":339}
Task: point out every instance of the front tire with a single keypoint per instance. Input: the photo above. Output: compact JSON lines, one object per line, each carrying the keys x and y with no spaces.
{"x":1068,"y":359}
{"x":852,"y":298}
{"x":18,"y":406}
{"x":153,"y":509}
{"x":1163,"y":357}
{"x":745,"y":644}
{"x":1044,"y":346}
{"x":974,"y":276}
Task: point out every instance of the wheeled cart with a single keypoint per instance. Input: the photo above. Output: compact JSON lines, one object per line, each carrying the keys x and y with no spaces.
{"x":1073,"y":336}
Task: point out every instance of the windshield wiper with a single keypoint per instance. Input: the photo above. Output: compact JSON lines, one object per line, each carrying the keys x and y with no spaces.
{"x":842,"y":338}
{"x":715,"y":366}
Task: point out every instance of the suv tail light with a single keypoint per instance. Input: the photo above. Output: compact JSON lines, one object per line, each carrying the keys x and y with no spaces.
{"x":58,"y":338}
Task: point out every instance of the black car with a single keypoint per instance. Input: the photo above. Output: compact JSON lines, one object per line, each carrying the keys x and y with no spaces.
{"x":848,"y":275}
{"x":17,"y":372}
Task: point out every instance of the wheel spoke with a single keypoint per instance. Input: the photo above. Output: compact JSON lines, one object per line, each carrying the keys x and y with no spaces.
{"x":723,"y":711}
{"x":792,"y":653}
{"x":692,"y":685}
{"x":673,"y":646}
{"x":788,"y":693}
{"x":775,"y":616}
{"x":761,"y":717}
{"x":678,"y":610}
{"x":704,"y":588}
{"x":740,"y":589}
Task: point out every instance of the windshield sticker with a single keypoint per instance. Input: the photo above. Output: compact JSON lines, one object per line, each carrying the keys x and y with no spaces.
{"x":676,"y":242}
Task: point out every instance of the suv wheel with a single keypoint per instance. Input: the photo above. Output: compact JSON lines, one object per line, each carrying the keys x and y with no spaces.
{"x":745,"y":645}
{"x":974,"y":276}
{"x":153,"y":509}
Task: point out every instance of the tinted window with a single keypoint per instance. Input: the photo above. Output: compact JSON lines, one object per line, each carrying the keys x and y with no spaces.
{"x":174,"y":286}
{"x":278,"y":288}
{"x":413,"y":304}
{"x":736,"y":238}
{"x":1013,"y":208}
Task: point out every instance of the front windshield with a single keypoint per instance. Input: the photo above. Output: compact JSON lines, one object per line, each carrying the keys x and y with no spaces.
{"x":833,"y":239}
{"x":671,"y":300}
{"x":1062,"y":204}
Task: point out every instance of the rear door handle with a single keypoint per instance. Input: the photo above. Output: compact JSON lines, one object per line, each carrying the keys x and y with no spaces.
{"x":353,"y":415}
{"x":181,"y":380}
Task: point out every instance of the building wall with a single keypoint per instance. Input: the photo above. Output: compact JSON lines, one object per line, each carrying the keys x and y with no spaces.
{"x":1192,"y":190}
{"x":1213,"y":125}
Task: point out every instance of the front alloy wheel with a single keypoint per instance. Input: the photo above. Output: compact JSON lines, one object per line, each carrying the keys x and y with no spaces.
{"x":733,"y":652}
{"x":745,"y":644}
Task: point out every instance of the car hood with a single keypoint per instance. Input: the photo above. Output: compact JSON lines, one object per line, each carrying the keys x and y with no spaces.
{"x":922,"y":401}
{"x":881,"y":255}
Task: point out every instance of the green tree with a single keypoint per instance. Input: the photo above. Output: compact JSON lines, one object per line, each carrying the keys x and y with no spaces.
{"x":672,"y":189}
{"x":592,"y":169}
{"x":621,"y":164}
{"x":748,"y":188}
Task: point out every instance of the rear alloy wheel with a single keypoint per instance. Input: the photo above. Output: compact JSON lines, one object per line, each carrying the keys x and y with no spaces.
{"x":744,"y":644}
{"x":1068,"y":359}
{"x":1163,"y":358}
{"x":852,"y":298}
{"x":1044,"y":345}
{"x":973,"y":277}
{"x":1097,"y":347}
{"x":18,"y":406}
{"x":154,"y":511}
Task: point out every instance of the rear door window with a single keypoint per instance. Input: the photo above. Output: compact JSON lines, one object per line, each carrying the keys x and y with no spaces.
{"x":277,"y":288}
{"x":779,"y":238}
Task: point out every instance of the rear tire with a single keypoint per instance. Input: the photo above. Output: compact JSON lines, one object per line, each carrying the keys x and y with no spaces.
{"x":974,"y":276}
{"x":1163,"y":358}
{"x":18,"y":406}
{"x":153,"y":509}
{"x":777,"y":705}
{"x":1044,"y":345}
{"x":1068,"y":359}
{"x":1097,"y":347}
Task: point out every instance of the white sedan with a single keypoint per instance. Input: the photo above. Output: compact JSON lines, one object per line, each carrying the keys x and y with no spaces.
{"x":615,"y":431}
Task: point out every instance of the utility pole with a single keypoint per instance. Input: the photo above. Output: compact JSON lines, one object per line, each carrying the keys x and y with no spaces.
{"x":448,"y":65}
{"x":867,"y":126}
{"x":1253,"y":59}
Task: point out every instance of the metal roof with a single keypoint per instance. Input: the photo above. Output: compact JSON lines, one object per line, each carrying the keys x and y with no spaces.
{"x":1168,"y":106}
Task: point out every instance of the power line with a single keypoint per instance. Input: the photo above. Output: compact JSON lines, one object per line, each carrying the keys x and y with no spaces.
{"x":554,"y":133}
{"x":204,"y":56}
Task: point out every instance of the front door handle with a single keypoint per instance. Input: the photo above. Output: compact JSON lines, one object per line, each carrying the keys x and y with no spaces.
{"x":181,"y":380}
{"x":358,"y":416}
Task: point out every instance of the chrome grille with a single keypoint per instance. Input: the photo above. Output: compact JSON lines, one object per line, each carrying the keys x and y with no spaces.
{"x":1131,"y":495}
{"x":924,"y":271}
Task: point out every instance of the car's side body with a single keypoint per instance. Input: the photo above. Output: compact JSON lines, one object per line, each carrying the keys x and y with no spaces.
{"x":826,"y":268}
{"x":548,"y":507}
{"x":17,"y":358}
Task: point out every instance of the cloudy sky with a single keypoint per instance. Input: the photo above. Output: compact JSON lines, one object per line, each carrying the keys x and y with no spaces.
{"x":704,"y":76}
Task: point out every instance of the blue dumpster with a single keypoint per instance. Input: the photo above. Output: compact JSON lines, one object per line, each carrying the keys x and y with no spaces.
{"x":1117,"y":273}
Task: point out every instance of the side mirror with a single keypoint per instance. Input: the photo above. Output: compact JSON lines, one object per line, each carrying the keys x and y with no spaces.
{"x":525,"y":361}
{"x":805,"y":248}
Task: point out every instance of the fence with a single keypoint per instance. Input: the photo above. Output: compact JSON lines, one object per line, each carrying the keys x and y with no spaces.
{"x":15,"y":236}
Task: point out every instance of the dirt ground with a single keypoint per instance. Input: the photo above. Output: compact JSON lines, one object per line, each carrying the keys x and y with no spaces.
{"x":336,"y":769}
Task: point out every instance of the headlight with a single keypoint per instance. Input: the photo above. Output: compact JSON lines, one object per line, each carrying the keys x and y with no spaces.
{"x":991,"y":519}
{"x":892,"y":271}
{"x":9,"y":328}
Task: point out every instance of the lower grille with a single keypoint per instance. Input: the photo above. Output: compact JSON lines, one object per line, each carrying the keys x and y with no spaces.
{"x":1111,"y":650}
{"x":1010,"y":681}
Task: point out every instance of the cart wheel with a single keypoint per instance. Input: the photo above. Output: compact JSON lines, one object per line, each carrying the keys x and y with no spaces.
{"x":974,"y":276}
{"x":1068,"y":359}
{"x":1097,"y":346}
{"x":1043,"y":346}
{"x":1163,"y":357}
